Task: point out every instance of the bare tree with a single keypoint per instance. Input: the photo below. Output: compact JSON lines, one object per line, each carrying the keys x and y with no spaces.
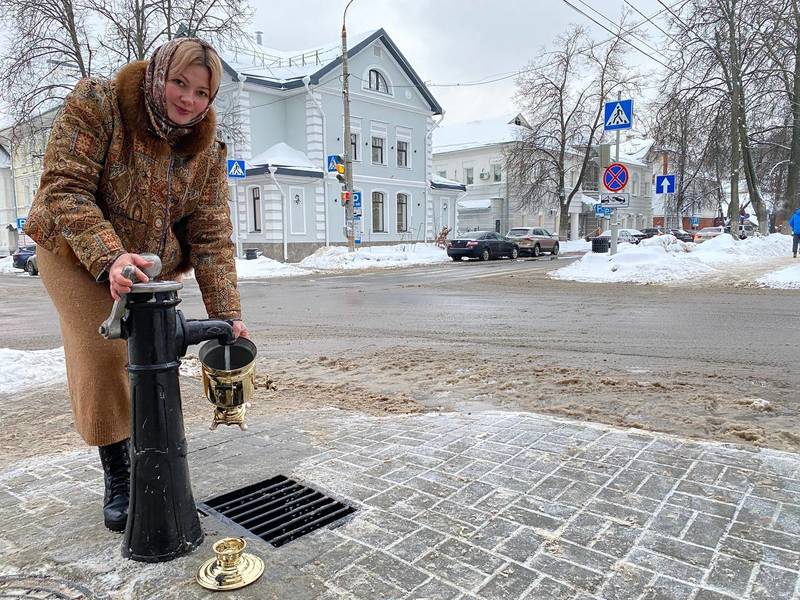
{"x":561,"y":95}
{"x":50,"y":48}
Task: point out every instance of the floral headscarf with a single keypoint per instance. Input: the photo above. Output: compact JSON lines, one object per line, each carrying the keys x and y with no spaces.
{"x":155,"y":96}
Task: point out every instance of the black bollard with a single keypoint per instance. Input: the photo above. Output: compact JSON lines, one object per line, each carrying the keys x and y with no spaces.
{"x":162,"y":518}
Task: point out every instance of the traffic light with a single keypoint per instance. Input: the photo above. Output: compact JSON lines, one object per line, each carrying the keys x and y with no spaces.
{"x":340,"y":169}
{"x":346,"y":197}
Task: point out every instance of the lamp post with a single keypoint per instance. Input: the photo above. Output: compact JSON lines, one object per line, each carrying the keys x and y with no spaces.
{"x":348,"y":161}
{"x":306,"y":82}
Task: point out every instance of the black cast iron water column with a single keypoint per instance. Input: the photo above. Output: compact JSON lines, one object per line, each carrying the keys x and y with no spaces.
{"x":162,"y":519}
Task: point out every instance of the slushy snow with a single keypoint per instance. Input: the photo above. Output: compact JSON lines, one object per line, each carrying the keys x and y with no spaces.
{"x":664,"y":259}
{"x":336,"y":258}
{"x":22,"y":370}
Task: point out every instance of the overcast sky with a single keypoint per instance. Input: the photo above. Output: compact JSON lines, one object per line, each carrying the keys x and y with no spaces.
{"x":448,"y":41}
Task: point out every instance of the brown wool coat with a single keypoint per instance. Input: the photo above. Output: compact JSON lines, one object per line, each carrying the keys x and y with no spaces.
{"x":111,"y":186}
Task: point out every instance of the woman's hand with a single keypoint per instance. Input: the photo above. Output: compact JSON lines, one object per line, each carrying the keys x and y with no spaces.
{"x":240,"y":329}
{"x":117,"y":282}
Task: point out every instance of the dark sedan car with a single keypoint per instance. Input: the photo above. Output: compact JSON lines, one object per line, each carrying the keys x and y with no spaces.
{"x":21,"y":256}
{"x":682,"y":235}
{"x":483,"y":245}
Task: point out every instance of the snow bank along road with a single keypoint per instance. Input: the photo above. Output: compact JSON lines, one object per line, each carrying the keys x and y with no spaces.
{"x":715,"y":362}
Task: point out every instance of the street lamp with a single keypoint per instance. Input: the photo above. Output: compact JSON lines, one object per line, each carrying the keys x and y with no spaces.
{"x":306,"y":82}
{"x":348,"y":162}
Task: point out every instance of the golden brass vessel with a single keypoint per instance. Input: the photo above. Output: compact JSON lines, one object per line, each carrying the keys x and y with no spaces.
{"x":231,"y":568}
{"x":229,"y":378}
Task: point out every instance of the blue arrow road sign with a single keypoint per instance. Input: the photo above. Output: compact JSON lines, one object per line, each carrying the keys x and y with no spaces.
{"x":618,"y":115}
{"x":665,"y":184}
{"x":236,"y":169}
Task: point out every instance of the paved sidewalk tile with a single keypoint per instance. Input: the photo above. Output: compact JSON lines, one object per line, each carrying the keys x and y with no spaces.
{"x":494,"y":505}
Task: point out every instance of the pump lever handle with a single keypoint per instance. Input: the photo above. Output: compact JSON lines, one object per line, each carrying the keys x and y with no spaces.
{"x":111,"y":328}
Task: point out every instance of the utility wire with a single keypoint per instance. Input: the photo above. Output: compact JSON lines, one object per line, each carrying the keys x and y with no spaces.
{"x":653,"y":23}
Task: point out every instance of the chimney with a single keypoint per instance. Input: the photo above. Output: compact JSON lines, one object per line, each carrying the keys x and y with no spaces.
{"x":258,"y":37}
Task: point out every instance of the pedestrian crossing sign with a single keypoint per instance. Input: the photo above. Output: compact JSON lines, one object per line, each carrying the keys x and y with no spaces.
{"x":618,"y":115}
{"x":236,"y":169}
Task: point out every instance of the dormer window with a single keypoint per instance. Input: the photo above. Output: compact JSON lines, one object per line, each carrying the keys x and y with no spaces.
{"x":377,"y":82}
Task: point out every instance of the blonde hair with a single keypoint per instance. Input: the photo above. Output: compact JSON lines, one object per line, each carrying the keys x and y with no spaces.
{"x":192,"y":53}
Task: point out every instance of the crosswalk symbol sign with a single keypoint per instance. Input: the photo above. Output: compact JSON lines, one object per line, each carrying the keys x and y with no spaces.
{"x":618,"y":115}
{"x":236,"y":169}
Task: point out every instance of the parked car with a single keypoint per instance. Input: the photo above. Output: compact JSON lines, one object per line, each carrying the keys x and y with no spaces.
{"x":32,"y":266}
{"x":745,"y":231}
{"x":707,"y":233}
{"x":652,"y":231}
{"x":483,"y":245}
{"x":21,"y":256}
{"x":631,"y":236}
{"x":682,"y":235}
{"x":534,"y":240}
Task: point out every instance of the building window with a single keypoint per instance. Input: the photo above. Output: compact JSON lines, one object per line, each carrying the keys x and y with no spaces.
{"x":378,"y":213}
{"x":255,"y":200}
{"x":378,"y":146}
{"x":402,"y":153}
{"x":354,"y":145}
{"x":402,"y":213}
{"x":469,"y":175}
{"x":497,"y":172}
{"x":377,"y":82}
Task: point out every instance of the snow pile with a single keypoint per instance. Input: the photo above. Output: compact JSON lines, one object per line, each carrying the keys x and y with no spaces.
{"x":402,"y":255}
{"x":22,"y":370}
{"x":663,"y":259}
{"x":574,"y":246}
{"x":7,"y":265}
{"x":265,"y":268}
{"x":786,"y":279}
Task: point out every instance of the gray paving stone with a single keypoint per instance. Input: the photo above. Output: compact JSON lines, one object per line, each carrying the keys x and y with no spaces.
{"x":551,"y":590}
{"x":706,"y":594}
{"x":625,"y":582}
{"x":671,"y":520}
{"x":522,"y":545}
{"x":756,"y":552}
{"x":498,"y":500}
{"x":730,"y":574}
{"x":416,"y":544}
{"x":493,"y":532}
{"x":529,"y":518}
{"x":470,"y":555}
{"x":509,"y":583}
{"x":706,"y":530}
{"x":660,"y":563}
{"x":765,"y":536}
{"x":705,"y":505}
{"x":389,"y":568}
{"x":668,"y":589}
{"x":758,"y":511}
{"x":451,"y":569}
{"x":363,"y":584}
{"x":574,"y":575}
{"x":677,"y":549}
{"x":435,"y":589}
{"x":772,"y":583}
{"x":616,"y":540}
{"x":788,"y":520}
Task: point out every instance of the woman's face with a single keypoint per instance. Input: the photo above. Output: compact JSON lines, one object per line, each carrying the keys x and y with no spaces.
{"x":187,"y":93}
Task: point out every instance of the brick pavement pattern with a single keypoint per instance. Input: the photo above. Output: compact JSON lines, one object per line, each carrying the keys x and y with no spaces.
{"x":491,"y":505}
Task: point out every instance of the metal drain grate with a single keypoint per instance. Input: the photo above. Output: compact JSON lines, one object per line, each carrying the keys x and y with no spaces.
{"x":277,"y":510}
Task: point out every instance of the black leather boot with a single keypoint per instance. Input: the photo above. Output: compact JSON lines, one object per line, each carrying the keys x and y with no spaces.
{"x":116,"y":459}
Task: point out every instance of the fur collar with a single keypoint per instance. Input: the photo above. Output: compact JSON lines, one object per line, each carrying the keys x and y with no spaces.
{"x":130,"y":94}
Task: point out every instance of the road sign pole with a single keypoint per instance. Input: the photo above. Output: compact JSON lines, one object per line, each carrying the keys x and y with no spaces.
{"x":615,"y":214}
{"x":348,"y":163}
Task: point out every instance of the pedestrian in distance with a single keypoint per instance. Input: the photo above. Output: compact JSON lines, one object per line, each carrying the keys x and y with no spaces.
{"x":794,"y":223}
{"x":132,"y":166}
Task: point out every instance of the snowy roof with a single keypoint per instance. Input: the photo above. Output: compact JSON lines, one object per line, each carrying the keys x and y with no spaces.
{"x":437,"y":181}
{"x":282,"y":154}
{"x":285,"y":69}
{"x":476,"y":134}
{"x":634,"y":151}
{"x":475,"y":204}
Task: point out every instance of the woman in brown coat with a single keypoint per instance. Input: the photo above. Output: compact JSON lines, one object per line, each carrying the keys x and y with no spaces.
{"x":132,"y":166}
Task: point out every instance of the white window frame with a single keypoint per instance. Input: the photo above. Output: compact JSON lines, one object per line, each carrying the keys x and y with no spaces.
{"x":403,"y":134}
{"x":301,"y":191}
{"x":385,"y":195}
{"x":379,"y":130}
{"x":355,"y":129}
{"x":409,"y":202}
{"x":365,"y":81}
{"x":465,"y":175}
{"x":251,"y":209}
{"x":493,"y":169}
